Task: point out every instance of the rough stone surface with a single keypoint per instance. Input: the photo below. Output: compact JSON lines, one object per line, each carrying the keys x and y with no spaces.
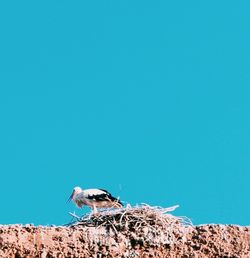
{"x":198,"y":241}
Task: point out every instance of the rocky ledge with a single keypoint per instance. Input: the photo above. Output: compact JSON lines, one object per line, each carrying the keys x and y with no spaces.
{"x":134,"y":232}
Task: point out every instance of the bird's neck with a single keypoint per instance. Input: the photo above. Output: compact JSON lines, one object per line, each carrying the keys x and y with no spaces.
{"x":75,"y":194}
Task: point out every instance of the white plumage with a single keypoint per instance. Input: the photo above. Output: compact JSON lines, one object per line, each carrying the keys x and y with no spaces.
{"x":94,"y":198}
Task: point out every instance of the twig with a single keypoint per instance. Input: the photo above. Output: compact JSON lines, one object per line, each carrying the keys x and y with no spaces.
{"x":75,"y":216}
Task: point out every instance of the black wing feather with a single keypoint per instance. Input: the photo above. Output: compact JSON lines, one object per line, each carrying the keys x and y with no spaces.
{"x":106,"y":196}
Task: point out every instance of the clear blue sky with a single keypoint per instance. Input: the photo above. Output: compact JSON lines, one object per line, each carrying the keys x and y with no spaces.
{"x":148,"y":100}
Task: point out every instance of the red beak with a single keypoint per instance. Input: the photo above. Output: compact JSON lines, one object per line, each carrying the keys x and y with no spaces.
{"x":70,"y":198}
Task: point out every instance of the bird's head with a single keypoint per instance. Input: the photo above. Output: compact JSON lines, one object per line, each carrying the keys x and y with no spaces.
{"x":76,"y":191}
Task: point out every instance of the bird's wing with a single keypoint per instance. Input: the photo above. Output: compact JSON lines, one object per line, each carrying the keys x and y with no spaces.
{"x":110,"y":197}
{"x":100,"y":195}
{"x":95,"y":194}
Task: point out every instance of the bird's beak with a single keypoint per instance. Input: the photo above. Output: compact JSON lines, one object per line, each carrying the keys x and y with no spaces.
{"x":70,"y":198}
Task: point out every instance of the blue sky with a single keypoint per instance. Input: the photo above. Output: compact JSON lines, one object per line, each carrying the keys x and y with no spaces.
{"x":148,"y":100}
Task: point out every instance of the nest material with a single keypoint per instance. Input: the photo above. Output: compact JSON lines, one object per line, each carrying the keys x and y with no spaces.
{"x":129,"y":217}
{"x":143,"y":223}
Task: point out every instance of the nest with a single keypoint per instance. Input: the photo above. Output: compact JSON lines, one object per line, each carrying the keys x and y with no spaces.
{"x":142,"y":223}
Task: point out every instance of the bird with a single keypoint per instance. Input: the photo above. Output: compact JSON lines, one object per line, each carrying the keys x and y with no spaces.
{"x":94,"y":198}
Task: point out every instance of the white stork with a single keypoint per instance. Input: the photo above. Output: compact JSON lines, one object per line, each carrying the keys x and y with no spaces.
{"x":94,"y":198}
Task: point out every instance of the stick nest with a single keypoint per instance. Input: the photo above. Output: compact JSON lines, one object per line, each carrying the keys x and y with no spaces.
{"x":143,"y":223}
